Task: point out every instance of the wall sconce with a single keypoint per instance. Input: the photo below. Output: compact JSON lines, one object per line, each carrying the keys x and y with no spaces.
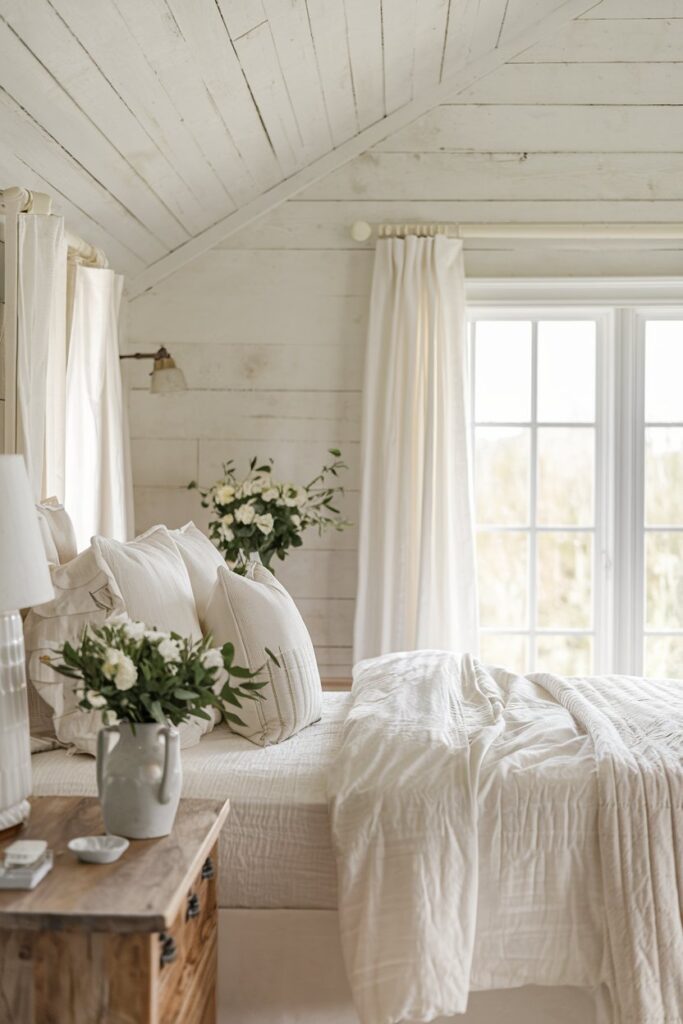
{"x":165,"y":377}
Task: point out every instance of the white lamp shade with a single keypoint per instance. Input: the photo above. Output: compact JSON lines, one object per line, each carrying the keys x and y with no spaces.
{"x":24,"y":573}
{"x":167,"y":380}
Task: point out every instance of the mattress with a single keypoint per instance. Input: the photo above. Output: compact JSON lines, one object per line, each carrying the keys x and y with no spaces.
{"x":275,"y":850}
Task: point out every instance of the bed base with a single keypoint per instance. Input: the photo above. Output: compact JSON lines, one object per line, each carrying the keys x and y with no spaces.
{"x":285,"y":967}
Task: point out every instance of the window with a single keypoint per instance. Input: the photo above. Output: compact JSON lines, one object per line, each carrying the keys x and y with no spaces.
{"x":578,"y":437}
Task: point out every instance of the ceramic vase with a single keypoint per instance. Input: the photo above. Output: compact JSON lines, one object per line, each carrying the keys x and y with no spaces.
{"x":139,"y":778}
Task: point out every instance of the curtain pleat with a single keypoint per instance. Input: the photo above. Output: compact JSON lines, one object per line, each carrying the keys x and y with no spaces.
{"x":41,"y":351}
{"x":98,"y":484}
{"x":417,"y":573}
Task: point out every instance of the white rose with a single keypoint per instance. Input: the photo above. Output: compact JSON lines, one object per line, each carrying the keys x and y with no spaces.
{"x":245,"y":514}
{"x":271,"y":494}
{"x":226,"y":533}
{"x":293,"y":496}
{"x":95,"y":699}
{"x":169,"y":650}
{"x":224,"y":494}
{"x":228,"y":518}
{"x":126,"y":674}
{"x":212,"y":658}
{"x":112,"y":659}
{"x":264,"y":523}
{"x":134,"y":630}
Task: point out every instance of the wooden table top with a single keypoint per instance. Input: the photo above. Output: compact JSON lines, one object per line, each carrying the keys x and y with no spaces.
{"x":140,"y":892}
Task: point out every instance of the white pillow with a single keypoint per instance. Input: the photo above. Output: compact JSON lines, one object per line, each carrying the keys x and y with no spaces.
{"x":201,"y":560}
{"x":153,"y":581}
{"x":85,"y":594}
{"x":255,"y":612}
{"x":61,"y":528}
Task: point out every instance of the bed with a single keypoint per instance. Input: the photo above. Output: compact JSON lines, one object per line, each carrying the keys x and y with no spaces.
{"x":278,"y":882}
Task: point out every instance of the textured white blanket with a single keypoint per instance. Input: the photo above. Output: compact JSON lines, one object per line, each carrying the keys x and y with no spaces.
{"x":439,"y":751}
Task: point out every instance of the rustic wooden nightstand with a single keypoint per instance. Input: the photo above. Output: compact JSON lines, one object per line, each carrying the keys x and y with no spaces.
{"x":132,"y":942}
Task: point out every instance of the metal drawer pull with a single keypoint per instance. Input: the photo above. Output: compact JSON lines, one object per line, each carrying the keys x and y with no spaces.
{"x":169,"y":950}
{"x":193,"y":907}
{"x":208,"y":869}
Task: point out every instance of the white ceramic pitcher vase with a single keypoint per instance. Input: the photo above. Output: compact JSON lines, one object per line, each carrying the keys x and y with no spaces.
{"x":139,"y":779}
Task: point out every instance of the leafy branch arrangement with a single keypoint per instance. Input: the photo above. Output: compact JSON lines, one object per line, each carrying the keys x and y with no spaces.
{"x":137,"y":675}
{"x":259,"y":515}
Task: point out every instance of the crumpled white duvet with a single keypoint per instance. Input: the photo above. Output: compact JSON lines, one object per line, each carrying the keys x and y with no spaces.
{"x":493,"y":830}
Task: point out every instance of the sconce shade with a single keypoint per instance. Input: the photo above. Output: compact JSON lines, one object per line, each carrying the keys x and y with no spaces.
{"x":166,"y":378}
{"x":24,"y":574}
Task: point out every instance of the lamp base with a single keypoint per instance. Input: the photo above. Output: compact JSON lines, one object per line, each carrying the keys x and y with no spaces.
{"x":15,"y":745}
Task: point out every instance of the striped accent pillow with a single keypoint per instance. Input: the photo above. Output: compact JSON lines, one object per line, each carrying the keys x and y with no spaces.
{"x":255,"y":612}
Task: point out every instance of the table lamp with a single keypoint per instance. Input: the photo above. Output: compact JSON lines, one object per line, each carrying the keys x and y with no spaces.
{"x":24,"y":581}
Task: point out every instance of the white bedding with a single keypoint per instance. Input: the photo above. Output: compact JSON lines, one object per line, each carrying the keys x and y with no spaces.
{"x":276,"y":848}
{"x":492,"y":831}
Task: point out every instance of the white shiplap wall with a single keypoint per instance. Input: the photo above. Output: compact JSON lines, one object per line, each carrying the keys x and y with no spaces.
{"x":270,"y":326}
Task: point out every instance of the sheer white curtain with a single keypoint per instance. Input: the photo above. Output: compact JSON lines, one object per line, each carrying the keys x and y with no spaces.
{"x":97,"y":484}
{"x":41,"y":350}
{"x":417,"y":576}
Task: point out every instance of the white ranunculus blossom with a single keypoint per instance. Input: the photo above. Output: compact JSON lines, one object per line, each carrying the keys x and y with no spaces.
{"x":228,"y":518}
{"x":264,"y":523}
{"x":270,"y":494}
{"x":126,"y":674}
{"x":224,"y":494}
{"x":169,"y":649}
{"x":294,"y":496}
{"x":245,"y":513}
{"x":212,"y":658}
{"x":134,"y":630}
{"x":112,"y":659}
{"x":95,"y":699}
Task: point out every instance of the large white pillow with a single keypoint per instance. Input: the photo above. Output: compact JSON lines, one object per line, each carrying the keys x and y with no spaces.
{"x":153,"y":581}
{"x":85,"y":594}
{"x":255,"y":612}
{"x":201,"y":560}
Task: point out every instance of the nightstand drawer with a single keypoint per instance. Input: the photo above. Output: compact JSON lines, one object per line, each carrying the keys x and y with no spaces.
{"x":187,"y":954}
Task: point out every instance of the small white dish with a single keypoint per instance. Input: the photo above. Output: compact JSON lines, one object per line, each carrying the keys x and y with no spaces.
{"x":99,"y":849}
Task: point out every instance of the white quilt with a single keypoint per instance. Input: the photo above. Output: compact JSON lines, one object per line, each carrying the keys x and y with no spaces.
{"x":575,"y":786}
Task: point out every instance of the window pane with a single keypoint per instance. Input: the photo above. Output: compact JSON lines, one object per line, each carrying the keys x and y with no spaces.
{"x":502,"y":475}
{"x":664,"y":476}
{"x":564,"y":655}
{"x":664,"y":371}
{"x":503,"y":371}
{"x":664,"y":656}
{"x":565,"y":572}
{"x":566,"y":371}
{"x":566,"y":458}
{"x":502,"y":565}
{"x":664,"y":580}
{"x":504,"y":649}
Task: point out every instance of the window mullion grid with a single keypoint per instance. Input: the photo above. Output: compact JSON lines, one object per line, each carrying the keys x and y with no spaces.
{"x":533,"y":493}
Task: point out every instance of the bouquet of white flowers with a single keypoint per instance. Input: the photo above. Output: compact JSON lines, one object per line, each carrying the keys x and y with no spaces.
{"x":259,"y":515}
{"x":139,"y":675}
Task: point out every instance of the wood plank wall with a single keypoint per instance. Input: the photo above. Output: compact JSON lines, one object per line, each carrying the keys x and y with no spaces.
{"x":270,"y":326}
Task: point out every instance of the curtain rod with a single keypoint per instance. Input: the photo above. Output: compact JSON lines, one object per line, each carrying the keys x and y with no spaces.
{"x":23,"y":200}
{"x":361,"y":231}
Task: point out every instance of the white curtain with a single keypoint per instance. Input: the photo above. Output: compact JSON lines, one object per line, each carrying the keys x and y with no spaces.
{"x":41,"y":351}
{"x":97,"y":484}
{"x":417,"y":576}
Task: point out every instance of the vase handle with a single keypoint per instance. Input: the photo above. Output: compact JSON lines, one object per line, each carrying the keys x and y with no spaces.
{"x":103,"y":752}
{"x":172,"y":738}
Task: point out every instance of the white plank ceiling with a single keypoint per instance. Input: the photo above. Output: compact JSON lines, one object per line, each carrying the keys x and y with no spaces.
{"x":151,"y":123}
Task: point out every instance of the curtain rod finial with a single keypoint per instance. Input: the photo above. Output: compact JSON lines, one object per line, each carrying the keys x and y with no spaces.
{"x":360,"y":231}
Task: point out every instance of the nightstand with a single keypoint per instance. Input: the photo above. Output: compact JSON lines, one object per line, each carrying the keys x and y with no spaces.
{"x":132,"y":942}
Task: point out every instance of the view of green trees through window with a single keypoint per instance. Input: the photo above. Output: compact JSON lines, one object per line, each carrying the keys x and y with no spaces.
{"x":539,"y":543}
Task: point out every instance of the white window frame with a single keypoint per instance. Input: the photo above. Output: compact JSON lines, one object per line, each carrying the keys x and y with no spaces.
{"x":621,"y":308}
